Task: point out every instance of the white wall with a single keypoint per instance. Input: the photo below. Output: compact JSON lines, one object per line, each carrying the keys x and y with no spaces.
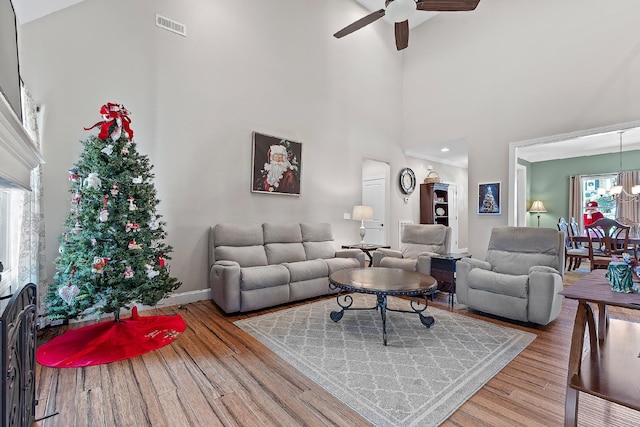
{"x":515,"y":70}
{"x":272,"y":67}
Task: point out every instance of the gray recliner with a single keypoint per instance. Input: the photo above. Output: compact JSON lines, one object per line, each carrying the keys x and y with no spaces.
{"x":418,"y":243}
{"x":521,"y":277}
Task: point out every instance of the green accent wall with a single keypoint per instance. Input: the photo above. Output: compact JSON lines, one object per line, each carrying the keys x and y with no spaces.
{"x":549,"y":181}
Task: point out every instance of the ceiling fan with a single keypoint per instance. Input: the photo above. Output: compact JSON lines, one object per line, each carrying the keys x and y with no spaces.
{"x":400,"y":10}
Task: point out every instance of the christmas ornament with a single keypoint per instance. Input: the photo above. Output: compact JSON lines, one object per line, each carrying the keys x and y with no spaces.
{"x":161,"y":261}
{"x":131,"y":226}
{"x":94,"y":241}
{"x":151,"y":273}
{"x":137,"y":179}
{"x":76,"y":197}
{"x":113,"y":114}
{"x":98,"y":264}
{"x":134,"y":246}
{"x":114,"y":189}
{"x":132,"y":205}
{"x":92,"y":181}
{"x":125,"y":149}
{"x":128,"y":272}
{"x":73,"y":174}
{"x":61,"y":249}
{"x":107,"y":150}
{"x":77,"y":229}
{"x":153,"y":223}
{"x":104,"y":213}
{"x":68,"y":293}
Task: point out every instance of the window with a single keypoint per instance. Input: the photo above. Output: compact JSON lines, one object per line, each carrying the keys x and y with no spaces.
{"x":596,"y":188}
{"x":5,"y":239}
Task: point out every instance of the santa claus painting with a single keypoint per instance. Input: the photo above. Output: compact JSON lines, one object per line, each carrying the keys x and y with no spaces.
{"x":276,"y":167}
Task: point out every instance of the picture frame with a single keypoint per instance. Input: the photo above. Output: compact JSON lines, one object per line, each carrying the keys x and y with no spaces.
{"x":489,"y":198}
{"x":276,"y":165}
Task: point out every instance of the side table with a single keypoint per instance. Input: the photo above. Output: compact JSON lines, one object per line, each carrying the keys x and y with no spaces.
{"x":443,"y":269}
{"x":367,"y":249}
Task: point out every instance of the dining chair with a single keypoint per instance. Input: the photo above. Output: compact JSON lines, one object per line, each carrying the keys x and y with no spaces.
{"x":573,"y":255}
{"x":607,"y":238}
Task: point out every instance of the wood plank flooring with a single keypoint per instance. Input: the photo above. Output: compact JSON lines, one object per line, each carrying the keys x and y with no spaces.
{"x":214,"y":374}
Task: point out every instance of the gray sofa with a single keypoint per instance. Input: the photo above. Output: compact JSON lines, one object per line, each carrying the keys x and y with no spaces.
{"x":253,"y":266}
{"x":521,"y":277}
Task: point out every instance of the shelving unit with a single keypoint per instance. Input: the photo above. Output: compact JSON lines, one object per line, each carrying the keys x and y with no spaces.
{"x":434,"y":203}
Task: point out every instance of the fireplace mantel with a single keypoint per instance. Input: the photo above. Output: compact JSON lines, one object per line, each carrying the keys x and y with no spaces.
{"x":18,"y":154}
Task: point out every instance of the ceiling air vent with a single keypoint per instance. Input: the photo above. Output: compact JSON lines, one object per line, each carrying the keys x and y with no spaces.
{"x":171,"y":25}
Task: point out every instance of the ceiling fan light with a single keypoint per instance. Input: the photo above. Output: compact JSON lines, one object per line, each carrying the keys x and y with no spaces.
{"x":635,"y":189}
{"x":400,"y":10}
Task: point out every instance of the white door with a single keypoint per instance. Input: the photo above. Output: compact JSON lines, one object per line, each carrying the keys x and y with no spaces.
{"x":374,"y":195}
{"x":452,"y":197}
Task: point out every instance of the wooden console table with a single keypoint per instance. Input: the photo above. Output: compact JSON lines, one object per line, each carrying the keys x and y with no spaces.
{"x":611,"y":370}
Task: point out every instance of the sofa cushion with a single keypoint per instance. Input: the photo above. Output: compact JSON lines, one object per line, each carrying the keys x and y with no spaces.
{"x":307,"y":270}
{"x":336,"y":264}
{"x":316,"y":232}
{"x":281,"y":233}
{"x":277,"y":253}
{"x":322,"y":250}
{"x":504,"y":284}
{"x":246,"y":256}
{"x":232,"y":234}
{"x":263,"y":277}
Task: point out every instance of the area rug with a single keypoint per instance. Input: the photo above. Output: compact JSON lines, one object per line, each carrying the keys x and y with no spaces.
{"x":419,"y":379}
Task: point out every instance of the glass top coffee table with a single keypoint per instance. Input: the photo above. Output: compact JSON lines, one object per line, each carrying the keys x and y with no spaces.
{"x":383,"y":282}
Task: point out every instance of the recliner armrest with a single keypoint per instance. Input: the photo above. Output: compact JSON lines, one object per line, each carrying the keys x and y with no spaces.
{"x":476,"y":263}
{"x":352,"y":253}
{"x":543,"y":269}
{"x":380,"y":253}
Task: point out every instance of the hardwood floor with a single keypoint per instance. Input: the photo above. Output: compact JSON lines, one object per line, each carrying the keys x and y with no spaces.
{"x":215,"y":374}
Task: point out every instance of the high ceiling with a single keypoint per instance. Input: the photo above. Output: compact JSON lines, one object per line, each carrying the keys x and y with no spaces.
{"x":457,"y":155}
{"x":30,"y":10}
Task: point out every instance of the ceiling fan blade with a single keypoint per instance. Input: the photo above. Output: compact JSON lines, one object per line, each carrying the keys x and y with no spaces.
{"x":447,"y":5}
{"x":372,"y":17}
{"x":402,"y":34}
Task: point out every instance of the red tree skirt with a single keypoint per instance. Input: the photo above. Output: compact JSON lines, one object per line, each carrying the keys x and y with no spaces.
{"x":110,"y":341}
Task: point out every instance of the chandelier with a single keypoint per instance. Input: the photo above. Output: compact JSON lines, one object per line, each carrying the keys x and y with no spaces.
{"x":617,"y":192}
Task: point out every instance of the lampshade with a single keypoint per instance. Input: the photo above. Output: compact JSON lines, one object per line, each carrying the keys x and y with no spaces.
{"x":400,"y":10}
{"x":537,"y":206}
{"x":635,"y":189}
{"x":362,"y":213}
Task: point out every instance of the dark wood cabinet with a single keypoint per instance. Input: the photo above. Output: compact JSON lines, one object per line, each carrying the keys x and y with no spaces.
{"x":434,"y":203}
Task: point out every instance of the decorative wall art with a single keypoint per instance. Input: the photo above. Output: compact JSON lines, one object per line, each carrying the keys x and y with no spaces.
{"x":489,"y":199}
{"x":276,"y":165}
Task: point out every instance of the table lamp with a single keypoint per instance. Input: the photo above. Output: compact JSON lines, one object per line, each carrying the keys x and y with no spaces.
{"x":362,"y":213}
{"x":537,"y":207}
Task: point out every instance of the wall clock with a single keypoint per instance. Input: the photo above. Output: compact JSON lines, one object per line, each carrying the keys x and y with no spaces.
{"x":407,"y":181}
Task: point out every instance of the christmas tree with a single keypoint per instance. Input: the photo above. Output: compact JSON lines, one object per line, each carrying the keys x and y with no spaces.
{"x":489,"y":202}
{"x":113,"y":253}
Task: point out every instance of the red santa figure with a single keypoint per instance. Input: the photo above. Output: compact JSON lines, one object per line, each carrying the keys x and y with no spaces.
{"x":280,"y":175}
{"x":591,"y":214}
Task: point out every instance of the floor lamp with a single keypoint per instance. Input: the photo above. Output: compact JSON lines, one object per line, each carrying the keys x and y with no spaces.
{"x":537,"y":207}
{"x":362,"y":213}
